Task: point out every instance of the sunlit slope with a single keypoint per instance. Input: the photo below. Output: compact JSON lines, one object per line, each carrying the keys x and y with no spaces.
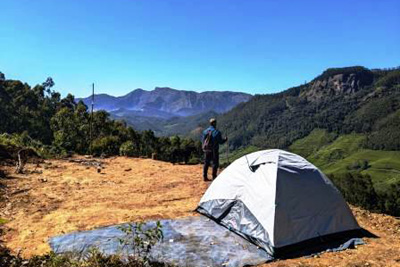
{"x":313,"y":142}
{"x":345,"y":154}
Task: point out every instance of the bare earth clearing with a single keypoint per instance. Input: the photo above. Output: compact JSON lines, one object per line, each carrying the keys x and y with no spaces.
{"x":61,"y":196}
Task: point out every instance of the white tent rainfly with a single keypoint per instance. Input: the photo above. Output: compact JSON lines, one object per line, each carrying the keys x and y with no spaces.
{"x":277,"y":200}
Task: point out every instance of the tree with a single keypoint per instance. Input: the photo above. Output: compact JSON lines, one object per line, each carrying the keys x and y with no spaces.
{"x":65,"y":130}
{"x":48,"y":84}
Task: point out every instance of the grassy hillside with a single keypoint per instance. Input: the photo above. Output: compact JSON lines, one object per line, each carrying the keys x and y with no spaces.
{"x":346,"y":154}
{"x":313,"y":142}
{"x":233,"y":155}
{"x":340,"y":100}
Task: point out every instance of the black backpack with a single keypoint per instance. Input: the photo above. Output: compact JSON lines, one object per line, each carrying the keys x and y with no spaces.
{"x":208,"y":143}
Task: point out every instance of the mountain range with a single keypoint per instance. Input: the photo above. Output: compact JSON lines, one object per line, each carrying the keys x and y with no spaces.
{"x":164,"y":110}
{"x":165,"y":102}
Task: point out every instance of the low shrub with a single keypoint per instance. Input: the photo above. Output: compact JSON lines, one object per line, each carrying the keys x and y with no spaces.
{"x":128,"y":149}
{"x":108,"y":145}
{"x":358,"y":190}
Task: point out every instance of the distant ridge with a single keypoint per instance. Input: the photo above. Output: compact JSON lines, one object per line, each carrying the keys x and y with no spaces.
{"x":165,"y":102}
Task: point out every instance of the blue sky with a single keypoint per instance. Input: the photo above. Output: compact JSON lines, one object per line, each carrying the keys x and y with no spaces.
{"x":252,"y":46}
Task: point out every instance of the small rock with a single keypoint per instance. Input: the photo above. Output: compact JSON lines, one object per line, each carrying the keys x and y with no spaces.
{"x":127,"y":170}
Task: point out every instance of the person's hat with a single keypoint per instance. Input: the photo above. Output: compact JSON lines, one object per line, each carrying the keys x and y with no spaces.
{"x":213,"y":120}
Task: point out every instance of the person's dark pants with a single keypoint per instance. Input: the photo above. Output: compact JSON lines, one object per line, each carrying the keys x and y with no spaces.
{"x":214,"y":158}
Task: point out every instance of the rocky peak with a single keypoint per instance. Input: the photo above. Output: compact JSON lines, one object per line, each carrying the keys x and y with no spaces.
{"x":340,"y":81}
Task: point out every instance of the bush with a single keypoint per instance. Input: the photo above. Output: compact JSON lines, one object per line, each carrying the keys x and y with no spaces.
{"x":11,"y":143}
{"x":359,"y":165}
{"x":141,"y":239}
{"x":108,"y":145}
{"x":128,"y":149}
{"x":358,"y":190}
{"x":391,"y":79}
{"x":194,"y":161}
{"x":390,"y":200}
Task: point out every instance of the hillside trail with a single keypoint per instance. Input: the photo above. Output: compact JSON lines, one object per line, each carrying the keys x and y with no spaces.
{"x":62,"y":196}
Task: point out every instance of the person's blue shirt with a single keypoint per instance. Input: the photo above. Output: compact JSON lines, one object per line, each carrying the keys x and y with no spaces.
{"x":216,"y":135}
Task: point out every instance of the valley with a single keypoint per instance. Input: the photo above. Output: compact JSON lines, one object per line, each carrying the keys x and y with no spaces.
{"x":166,"y":111}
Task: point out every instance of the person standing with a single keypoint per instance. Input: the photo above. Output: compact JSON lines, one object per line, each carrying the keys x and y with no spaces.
{"x":211,"y":140}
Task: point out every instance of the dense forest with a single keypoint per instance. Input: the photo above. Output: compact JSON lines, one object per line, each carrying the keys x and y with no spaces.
{"x":38,"y":117}
{"x":340,"y":100}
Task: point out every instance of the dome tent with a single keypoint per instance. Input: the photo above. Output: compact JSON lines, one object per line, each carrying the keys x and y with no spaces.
{"x":276,"y":200}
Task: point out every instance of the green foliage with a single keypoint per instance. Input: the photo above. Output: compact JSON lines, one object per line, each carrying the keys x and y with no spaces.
{"x":181,"y":126}
{"x":347,"y":153}
{"x":359,"y":165}
{"x":3,"y":221}
{"x":359,"y":70}
{"x":140,"y":239}
{"x":128,"y":149}
{"x":234,"y":155}
{"x":108,"y":145}
{"x":368,"y":116}
{"x":341,"y":148}
{"x":278,"y":120}
{"x":312,"y":142}
{"x":11,"y":143}
{"x":390,"y":200}
{"x":23,"y":108}
{"x":358,"y":190}
{"x":387,"y":135}
{"x":94,"y":258}
{"x":389,"y":80}
{"x":39,"y":119}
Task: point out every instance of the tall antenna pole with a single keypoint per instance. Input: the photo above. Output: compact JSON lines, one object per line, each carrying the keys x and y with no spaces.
{"x":91,"y":121}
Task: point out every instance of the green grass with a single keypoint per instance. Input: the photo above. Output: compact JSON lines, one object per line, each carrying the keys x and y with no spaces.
{"x":384,"y":166}
{"x":235,"y":154}
{"x":338,"y":150}
{"x":311,"y":143}
{"x":3,"y":221}
{"x":336,"y":156}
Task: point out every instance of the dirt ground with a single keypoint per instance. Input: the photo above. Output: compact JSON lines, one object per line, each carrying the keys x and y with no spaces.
{"x":60,"y":196}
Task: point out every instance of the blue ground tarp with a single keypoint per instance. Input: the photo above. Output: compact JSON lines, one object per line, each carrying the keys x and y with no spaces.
{"x":191,"y":241}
